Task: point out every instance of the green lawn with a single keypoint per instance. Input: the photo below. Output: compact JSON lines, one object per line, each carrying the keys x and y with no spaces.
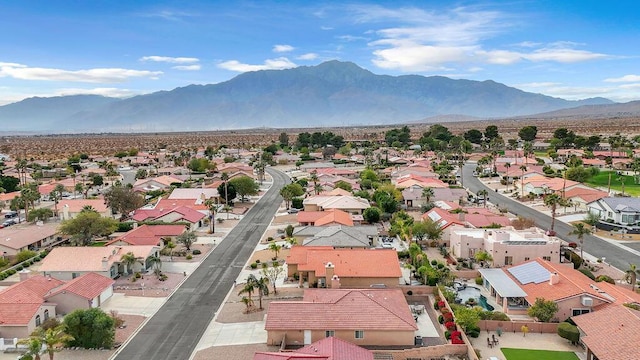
{"x":602,"y":180}
{"x":526,"y":354}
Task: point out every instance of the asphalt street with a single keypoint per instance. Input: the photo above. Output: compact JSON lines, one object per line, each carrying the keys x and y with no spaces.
{"x":174,"y":331}
{"x":615,"y":255}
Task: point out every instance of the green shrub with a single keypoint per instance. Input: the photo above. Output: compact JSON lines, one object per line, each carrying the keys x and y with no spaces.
{"x":196,"y":252}
{"x":479,"y":280}
{"x":605,"y":278}
{"x":440,"y":318}
{"x":588,"y":273}
{"x":434,"y":262}
{"x":11,"y":271}
{"x":569,"y":332}
{"x":27,"y":264}
{"x":189,"y":257}
{"x":19,"y":268}
{"x":473,"y":331}
{"x":447,"y":335}
{"x":124,"y":227}
{"x":25,"y":255}
{"x":254,"y":265}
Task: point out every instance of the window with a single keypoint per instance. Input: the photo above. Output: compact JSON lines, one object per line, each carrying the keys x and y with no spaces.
{"x":547,"y":258}
{"x":526,"y":259}
{"x":329,"y":333}
{"x":74,"y":275}
{"x":577,"y":312}
{"x":508,"y":260}
{"x":46,"y":315}
{"x":38,"y":322}
{"x":359,"y":334}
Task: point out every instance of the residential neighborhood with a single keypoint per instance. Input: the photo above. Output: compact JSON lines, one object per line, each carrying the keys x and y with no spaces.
{"x":418,"y":256}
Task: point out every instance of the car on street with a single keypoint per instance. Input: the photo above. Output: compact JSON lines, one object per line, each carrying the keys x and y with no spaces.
{"x":293,"y":211}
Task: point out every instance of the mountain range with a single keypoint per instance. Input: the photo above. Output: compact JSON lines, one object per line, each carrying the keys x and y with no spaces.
{"x":330,"y":94}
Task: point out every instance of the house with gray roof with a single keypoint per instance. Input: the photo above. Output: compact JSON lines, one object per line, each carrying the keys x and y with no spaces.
{"x":621,"y":210}
{"x":337,"y":236}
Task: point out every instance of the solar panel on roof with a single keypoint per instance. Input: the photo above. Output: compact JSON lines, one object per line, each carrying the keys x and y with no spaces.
{"x":530,"y":273}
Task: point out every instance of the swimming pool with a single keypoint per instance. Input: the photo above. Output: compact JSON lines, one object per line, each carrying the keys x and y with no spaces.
{"x":471,"y":292}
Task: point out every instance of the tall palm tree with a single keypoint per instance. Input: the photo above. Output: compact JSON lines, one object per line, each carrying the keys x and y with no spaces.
{"x":56,"y":195}
{"x":314,"y":179}
{"x":484,"y":194}
{"x":155,"y":262}
{"x":128,"y":260}
{"x":631,"y":275}
{"x":211,"y":205}
{"x":248,"y":289}
{"x":275,"y":248}
{"x":225,"y":178}
{"x":261,"y":285}
{"x":507,"y":165}
{"x":579,"y":230}
{"x":552,"y":201}
{"x":523,"y":168}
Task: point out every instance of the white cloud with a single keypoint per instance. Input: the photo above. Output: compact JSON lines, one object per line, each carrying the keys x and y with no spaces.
{"x":430,"y":40}
{"x":171,"y":60}
{"x":308,"y":56}
{"x":109,"y":92}
{"x":194,"y":67}
{"x":269,"y":64}
{"x":98,"y":75}
{"x":282,"y":48}
{"x":350,"y":38}
{"x":626,"y":78}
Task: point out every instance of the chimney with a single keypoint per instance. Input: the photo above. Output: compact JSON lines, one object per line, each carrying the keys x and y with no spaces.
{"x":554,"y":278}
{"x":461,"y":216}
{"x":335,"y":282}
{"x":65,"y":212}
{"x":105,"y":263}
{"x":24,"y":274}
{"x":329,"y":272}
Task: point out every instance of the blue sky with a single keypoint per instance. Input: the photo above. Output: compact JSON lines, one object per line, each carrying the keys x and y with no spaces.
{"x":567,"y":49}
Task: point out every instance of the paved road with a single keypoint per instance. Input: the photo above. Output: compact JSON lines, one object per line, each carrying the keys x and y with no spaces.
{"x":617,"y":256}
{"x":174,"y":331}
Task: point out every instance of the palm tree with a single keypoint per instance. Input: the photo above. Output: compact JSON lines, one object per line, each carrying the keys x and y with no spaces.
{"x":210,"y":204}
{"x":34,"y":348}
{"x":170,"y":245}
{"x":128,"y":260}
{"x":552,"y":201}
{"x":53,"y":339}
{"x":523,"y":168}
{"x":248,"y":289}
{"x":507,"y":165}
{"x":427,"y":194}
{"x":484,"y":193}
{"x":631,"y":275}
{"x":56,"y":195}
{"x":275,"y":248}
{"x":225,"y":178}
{"x":156,"y":263}
{"x":314,"y":179}
{"x":579,"y":230}
{"x":261,"y":286}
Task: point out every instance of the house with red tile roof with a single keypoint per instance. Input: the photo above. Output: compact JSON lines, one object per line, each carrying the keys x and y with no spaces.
{"x":363,"y":317}
{"x":516,"y":288}
{"x":423,"y":182}
{"x":156,"y":183}
{"x":23,"y":306}
{"x":329,"y":348}
{"x":182,"y":214}
{"x":345,"y":268}
{"x":540,"y":185}
{"x":68,"y":263}
{"x":323,"y":218}
{"x":84,"y":292}
{"x":28,"y":236}
{"x":610,"y":333}
{"x":580,"y":197}
{"x":70,"y":208}
{"x":148,"y":235}
{"x":507,"y":246}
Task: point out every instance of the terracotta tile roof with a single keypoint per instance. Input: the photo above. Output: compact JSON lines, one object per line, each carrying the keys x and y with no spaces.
{"x":9,"y":196}
{"x":76,"y":205}
{"x":555,"y":184}
{"x":149,"y":234}
{"x":259,"y":355}
{"x":349,"y":263}
{"x":331,"y":216}
{"x":588,"y":195}
{"x":336,"y":192}
{"x":338,"y":202}
{"x":330,"y":348}
{"x":443,"y":217}
{"x":89,"y":258}
{"x":185,"y":214}
{"x":341,"y":309}
{"x":88,"y":286}
{"x":30,"y":291}
{"x":174,"y":203}
{"x":611,"y":333}
{"x":335,"y":171}
{"x":572,"y":283}
{"x":165,"y":180}
{"x":20,"y":236}
{"x":17,"y":314}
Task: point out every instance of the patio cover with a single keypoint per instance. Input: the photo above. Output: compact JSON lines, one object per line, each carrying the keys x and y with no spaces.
{"x":502,"y":283}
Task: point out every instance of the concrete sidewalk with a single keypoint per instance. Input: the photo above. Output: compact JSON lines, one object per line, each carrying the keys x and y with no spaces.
{"x":133,"y":305}
{"x":219,"y":334}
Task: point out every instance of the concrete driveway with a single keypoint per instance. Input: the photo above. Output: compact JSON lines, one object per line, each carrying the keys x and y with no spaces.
{"x":219,"y":334}
{"x":133,"y":305}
